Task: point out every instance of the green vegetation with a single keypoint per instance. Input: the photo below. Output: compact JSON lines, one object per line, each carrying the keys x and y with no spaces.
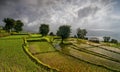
{"x":114,"y":41}
{"x":68,"y":64}
{"x":4,"y":34}
{"x":116,"y":45}
{"x":64,"y":32}
{"x":44,"y":29}
{"x":47,"y":54}
{"x":11,"y":24}
{"x":106,"y":39}
{"x":13,"y":58}
{"x":18,"y":26}
{"x":38,"y":47}
{"x":36,"y":60}
{"x":52,"y":34}
{"x":93,"y":59}
{"x":14,"y":37}
{"x":81,"y":33}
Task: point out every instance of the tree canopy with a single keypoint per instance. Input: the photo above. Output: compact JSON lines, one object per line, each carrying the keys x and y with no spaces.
{"x":51,"y":34}
{"x":81,"y":33}
{"x":106,"y":39}
{"x":44,"y":29}
{"x":18,"y":26}
{"x":64,"y":31}
{"x":114,"y":41}
{"x":11,"y":24}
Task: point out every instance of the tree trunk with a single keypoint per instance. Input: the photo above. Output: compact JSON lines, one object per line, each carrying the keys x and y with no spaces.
{"x":62,"y":41}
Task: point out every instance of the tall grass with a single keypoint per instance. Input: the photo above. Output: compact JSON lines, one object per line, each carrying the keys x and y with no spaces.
{"x":13,"y":58}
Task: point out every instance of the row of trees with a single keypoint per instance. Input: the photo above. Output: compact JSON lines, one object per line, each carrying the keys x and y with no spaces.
{"x":63,"y":31}
{"x":108,"y":39}
{"x":11,"y":24}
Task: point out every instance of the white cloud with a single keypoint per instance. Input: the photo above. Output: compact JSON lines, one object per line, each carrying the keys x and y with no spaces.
{"x":100,"y":30}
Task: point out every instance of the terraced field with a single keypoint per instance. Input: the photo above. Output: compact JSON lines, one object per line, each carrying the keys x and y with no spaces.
{"x":47,"y":54}
{"x":107,"y":57}
{"x":105,"y":52}
{"x":71,"y":58}
{"x":40,"y":47}
{"x":13,"y":58}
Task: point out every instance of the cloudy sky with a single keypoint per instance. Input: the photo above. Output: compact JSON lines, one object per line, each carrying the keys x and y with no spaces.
{"x":99,"y":16}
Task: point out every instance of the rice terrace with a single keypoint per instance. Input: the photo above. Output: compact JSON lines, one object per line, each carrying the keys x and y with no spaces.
{"x":59,"y":36}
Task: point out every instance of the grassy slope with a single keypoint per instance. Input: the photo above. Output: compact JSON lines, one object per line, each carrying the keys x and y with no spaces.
{"x":63,"y":62}
{"x":13,"y":58}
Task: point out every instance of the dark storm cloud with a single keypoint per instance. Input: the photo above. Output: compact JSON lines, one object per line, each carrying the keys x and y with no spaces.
{"x":77,"y":13}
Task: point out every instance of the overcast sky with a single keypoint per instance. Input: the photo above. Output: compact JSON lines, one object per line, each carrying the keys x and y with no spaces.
{"x":94,"y":15}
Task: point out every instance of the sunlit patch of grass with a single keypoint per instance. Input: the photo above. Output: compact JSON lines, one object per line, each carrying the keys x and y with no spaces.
{"x":35,"y":35}
{"x":37,"y":47}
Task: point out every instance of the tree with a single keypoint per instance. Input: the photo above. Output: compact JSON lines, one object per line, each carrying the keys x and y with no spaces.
{"x":64,"y":31}
{"x":9,"y":24}
{"x":81,"y":33}
{"x":106,"y":39}
{"x":114,"y":41}
{"x":51,"y":34}
{"x":75,"y":36}
{"x":44,"y":29}
{"x":18,"y":26}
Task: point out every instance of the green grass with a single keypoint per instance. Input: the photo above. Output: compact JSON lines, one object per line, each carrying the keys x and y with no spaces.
{"x":4,"y":34}
{"x":34,"y":35}
{"x":13,"y":58}
{"x":15,"y":37}
{"x":37,"y":47}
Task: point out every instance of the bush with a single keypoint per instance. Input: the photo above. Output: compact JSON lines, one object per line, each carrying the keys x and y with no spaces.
{"x":114,"y":41}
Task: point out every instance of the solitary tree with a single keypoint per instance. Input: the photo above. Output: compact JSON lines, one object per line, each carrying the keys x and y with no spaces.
{"x":9,"y":24}
{"x":64,"y":32}
{"x":106,"y":39}
{"x":81,"y":33}
{"x":44,"y":29}
{"x":18,"y":26}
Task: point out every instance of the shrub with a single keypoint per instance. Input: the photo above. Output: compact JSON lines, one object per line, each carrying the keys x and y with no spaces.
{"x":114,"y":41}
